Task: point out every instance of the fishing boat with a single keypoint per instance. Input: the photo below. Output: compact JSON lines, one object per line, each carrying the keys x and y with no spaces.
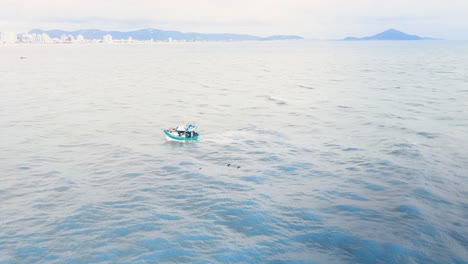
{"x":182,"y":133}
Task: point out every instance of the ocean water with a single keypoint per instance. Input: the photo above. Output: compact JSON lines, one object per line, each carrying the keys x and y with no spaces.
{"x":339,"y":152}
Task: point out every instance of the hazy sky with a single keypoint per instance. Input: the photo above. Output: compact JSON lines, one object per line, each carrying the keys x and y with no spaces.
{"x":318,"y":19}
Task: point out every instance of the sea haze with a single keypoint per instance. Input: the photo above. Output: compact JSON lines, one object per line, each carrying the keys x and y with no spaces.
{"x":340,"y":152}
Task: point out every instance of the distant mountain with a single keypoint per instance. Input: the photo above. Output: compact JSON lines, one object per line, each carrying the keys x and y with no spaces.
{"x":281,"y":37}
{"x":157,"y":34}
{"x":391,"y":34}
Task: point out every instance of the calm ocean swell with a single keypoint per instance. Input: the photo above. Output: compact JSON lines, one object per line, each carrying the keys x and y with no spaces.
{"x":311,"y":152}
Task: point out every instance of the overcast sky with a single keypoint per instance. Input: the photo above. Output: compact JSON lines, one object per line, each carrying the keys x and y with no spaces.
{"x":315,"y":19}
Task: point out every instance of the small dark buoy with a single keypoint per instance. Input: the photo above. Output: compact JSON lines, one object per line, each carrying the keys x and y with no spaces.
{"x":199,"y":168}
{"x":229,"y":164}
{"x":238,"y":166}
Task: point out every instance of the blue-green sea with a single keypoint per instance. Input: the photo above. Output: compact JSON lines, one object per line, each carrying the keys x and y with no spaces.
{"x":309,"y":152}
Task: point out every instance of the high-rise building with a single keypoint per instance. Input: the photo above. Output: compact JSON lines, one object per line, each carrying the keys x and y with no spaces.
{"x":80,"y":38}
{"x":8,"y":37}
{"x":27,"y":38}
{"x":66,"y":38}
{"x":107,"y":39}
{"x":46,"y":38}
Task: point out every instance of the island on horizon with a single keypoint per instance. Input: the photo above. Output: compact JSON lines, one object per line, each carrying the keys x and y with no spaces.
{"x":390,"y":34}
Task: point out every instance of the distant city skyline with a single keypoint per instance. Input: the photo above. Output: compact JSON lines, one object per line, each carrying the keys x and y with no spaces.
{"x":38,"y":36}
{"x":320,"y":19}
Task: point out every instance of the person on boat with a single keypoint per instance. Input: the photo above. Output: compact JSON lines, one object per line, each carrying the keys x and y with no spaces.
{"x":180,"y":130}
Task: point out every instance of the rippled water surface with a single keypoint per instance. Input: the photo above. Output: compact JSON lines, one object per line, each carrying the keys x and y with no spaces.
{"x":340,"y":152}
